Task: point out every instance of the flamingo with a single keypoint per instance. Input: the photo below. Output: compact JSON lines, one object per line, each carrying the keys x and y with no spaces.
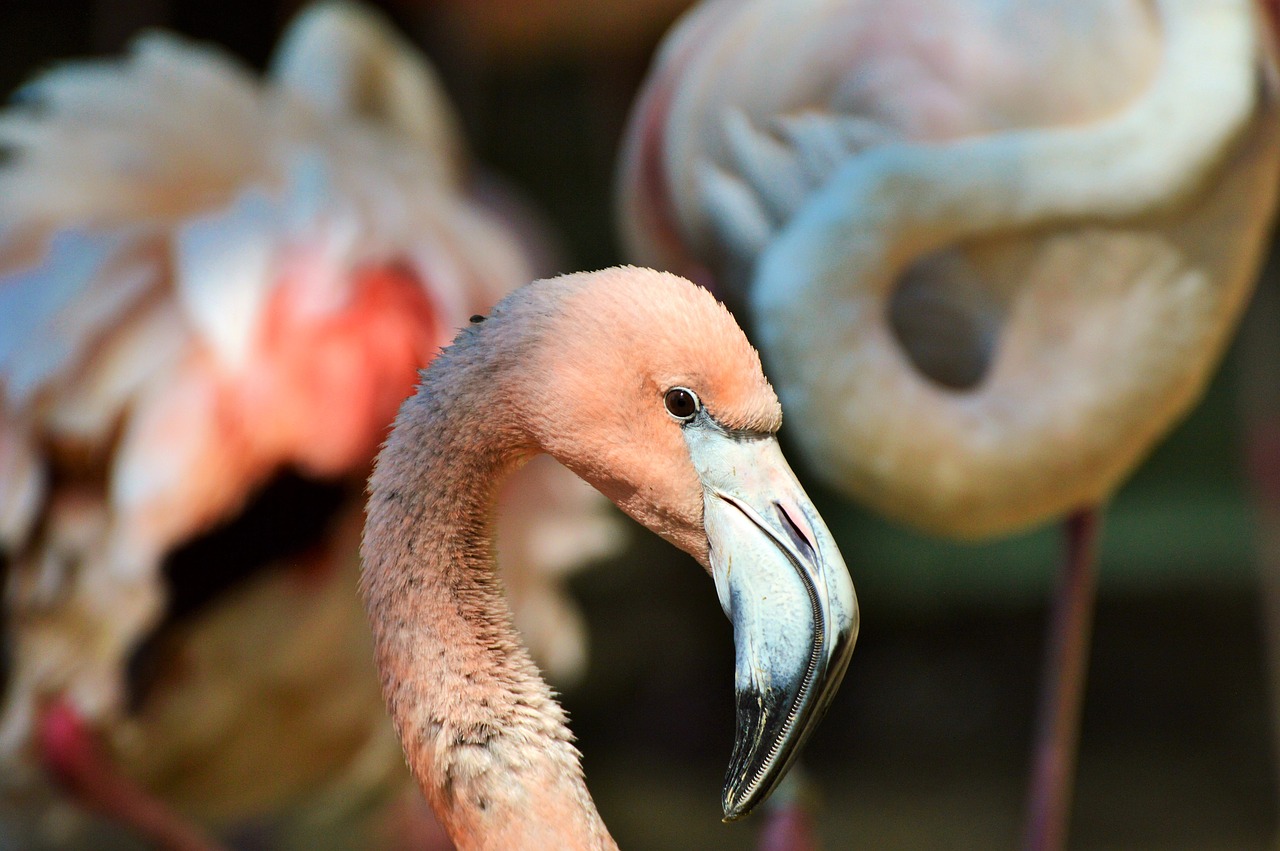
{"x":990,"y":252}
{"x":642,"y":384}
{"x":208,"y":280}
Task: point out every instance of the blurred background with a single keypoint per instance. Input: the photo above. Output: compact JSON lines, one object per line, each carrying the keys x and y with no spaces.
{"x":928,"y":743}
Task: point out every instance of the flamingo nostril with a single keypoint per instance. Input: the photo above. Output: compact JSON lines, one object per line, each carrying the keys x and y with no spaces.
{"x":796,"y":533}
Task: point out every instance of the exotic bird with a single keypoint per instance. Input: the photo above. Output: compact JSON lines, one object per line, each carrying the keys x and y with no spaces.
{"x":642,"y":384}
{"x":990,"y":252}
{"x":208,"y":281}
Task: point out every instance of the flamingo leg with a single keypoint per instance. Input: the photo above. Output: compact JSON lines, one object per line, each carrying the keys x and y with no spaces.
{"x":73,"y":756}
{"x":789,"y":822}
{"x":1259,"y":406}
{"x":1062,"y":691}
{"x":1263,"y":467}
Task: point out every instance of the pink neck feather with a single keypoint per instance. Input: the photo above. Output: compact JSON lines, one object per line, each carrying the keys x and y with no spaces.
{"x":481,"y":730}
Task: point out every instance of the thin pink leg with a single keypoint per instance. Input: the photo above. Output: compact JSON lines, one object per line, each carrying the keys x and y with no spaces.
{"x":788,"y":829}
{"x":1062,"y":692}
{"x":1259,"y":406}
{"x":73,"y":756}
{"x":1263,"y":466}
{"x":411,"y":826}
{"x":788,"y":817}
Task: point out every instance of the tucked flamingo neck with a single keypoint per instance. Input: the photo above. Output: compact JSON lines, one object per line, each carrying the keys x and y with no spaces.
{"x":482,"y":733}
{"x":1141,"y":272}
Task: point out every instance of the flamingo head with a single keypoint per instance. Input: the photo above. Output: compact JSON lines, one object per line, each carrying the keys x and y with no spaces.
{"x":645,"y":386}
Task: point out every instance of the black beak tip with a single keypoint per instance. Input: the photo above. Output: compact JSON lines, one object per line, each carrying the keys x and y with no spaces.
{"x":759,"y":758}
{"x":753,"y":768}
{"x":735,"y":808}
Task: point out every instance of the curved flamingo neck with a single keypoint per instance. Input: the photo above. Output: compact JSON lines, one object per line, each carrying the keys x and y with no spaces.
{"x":1053,"y":424}
{"x":481,"y":730}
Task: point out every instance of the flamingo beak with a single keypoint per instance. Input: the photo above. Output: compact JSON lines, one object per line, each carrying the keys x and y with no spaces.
{"x":785,"y":587}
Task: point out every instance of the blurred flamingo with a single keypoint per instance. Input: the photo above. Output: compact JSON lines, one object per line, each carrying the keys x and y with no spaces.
{"x":991,"y":252}
{"x":207,"y":281}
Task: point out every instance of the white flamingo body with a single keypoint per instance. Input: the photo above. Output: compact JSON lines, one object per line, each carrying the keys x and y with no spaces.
{"x":991,"y":252}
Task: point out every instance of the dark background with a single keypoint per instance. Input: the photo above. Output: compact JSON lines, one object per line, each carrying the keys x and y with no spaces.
{"x":927,"y":745}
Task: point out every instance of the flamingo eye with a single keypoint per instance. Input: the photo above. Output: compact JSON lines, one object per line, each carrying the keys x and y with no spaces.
{"x":682,"y":404}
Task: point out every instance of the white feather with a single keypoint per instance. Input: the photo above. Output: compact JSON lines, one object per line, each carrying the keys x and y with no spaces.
{"x":32,"y":344}
{"x":224,"y":265}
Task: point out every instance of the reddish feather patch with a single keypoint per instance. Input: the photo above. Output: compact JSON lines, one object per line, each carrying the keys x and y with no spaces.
{"x":331,"y":383}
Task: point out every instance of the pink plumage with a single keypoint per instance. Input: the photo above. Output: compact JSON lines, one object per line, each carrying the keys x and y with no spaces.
{"x":207,"y":279}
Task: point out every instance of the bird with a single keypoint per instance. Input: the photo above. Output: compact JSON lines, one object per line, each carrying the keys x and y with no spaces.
{"x":990,"y":252}
{"x":212,"y":283}
{"x":642,"y":384}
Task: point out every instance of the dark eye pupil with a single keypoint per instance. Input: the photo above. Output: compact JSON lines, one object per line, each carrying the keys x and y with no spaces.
{"x":681,"y":403}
